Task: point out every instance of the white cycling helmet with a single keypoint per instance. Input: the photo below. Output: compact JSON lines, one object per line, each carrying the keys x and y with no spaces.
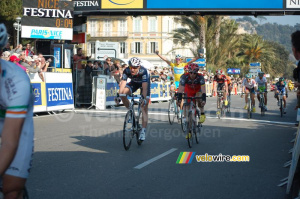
{"x":3,"y":36}
{"x":135,"y":62}
{"x":178,"y":57}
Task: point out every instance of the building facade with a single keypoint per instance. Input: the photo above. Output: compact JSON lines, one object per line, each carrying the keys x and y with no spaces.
{"x":137,"y":36}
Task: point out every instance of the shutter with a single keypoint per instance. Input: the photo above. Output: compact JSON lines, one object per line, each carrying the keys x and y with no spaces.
{"x":156,"y":46}
{"x":148,"y":47}
{"x":132,"y":48}
{"x":142,"y":52}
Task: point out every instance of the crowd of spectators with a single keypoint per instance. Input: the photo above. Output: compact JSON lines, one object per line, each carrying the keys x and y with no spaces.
{"x":26,"y":59}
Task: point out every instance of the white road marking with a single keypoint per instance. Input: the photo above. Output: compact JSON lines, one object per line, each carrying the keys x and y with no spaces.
{"x":166,"y":114}
{"x":140,"y":166}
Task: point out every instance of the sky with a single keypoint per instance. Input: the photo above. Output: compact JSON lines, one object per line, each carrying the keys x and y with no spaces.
{"x":283,"y":20}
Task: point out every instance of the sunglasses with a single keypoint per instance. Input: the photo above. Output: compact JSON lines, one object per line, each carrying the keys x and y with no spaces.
{"x":132,"y":67}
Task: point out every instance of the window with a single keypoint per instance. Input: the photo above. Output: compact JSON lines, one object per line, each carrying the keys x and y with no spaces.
{"x":107,"y":29}
{"x":93,"y":28}
{"x":152,"y":47}
{"x":136,"y":48}
{"x":122,"y":47}
{"x":152,"y":24}
{"x":137,"y":24}
{"x":122,"y":27}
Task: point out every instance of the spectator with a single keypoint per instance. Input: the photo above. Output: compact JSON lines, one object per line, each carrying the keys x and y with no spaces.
{"x":18,"y":49}
{"x":116,"y":71}
{"x":79,"y":56}
{"x":89,"y":68}
{"x":45,"y":64}
{"x":5,"y":55}
{"x":296,"y":73}
{"x":37,"y":61}
{"x":28,"y":50}
{"x":123,"y":67}
{"x":16,"y":60}
{"x":107,"y":64}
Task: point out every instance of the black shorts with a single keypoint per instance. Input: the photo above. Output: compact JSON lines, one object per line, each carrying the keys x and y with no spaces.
{"x":133,"y":86}
{"x":220,"y":86}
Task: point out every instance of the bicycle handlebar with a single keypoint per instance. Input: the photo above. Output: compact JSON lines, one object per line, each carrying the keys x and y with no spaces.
{"x":192,"y":98}
{"x":131,"y":95}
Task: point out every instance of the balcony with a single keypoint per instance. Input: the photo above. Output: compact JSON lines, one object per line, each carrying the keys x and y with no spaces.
{"x":109,"y":34}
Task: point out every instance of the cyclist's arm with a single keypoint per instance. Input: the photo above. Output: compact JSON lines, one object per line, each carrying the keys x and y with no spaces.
{"x":163,"y":58}
{"x":145,"y":88}
{"x":123,"y":81}
{"x":9,"y":141}
{"x":215,"y":86}
{"x":203,"y":91}
{"x":226,"y":86}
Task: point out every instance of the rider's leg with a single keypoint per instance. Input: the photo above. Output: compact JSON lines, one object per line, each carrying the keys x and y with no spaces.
{"x":266,"y":99}
{"x":125,"y":101}
{"x":284,"y":101}
{"x":145,"y":115}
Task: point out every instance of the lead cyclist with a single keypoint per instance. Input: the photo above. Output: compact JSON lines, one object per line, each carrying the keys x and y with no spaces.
{"x":16,"y":125}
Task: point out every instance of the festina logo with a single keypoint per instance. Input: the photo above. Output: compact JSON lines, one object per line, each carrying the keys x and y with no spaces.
{"x":292,"y":3}
{"x":85,"y":3}
{"x":53,"y":13}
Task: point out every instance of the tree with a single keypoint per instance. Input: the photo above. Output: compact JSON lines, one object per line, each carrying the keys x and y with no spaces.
{"x":9,"y":11}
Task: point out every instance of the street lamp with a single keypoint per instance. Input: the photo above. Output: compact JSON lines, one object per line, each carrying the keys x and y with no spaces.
{"x":17,"y":26}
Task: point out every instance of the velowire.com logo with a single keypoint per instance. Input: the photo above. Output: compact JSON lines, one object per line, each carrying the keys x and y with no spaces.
{"x":185,"y":158}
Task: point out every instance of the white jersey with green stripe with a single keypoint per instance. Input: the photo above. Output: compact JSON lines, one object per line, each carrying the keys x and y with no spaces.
{"x":16,"y":101}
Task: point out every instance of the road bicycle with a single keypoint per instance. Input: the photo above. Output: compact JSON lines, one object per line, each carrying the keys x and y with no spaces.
{"x":262,"y":102}
{"x":174,"y":110}
{"x":220,"y":104}
{"x":192,"y":124}
{"x":133,"y":122}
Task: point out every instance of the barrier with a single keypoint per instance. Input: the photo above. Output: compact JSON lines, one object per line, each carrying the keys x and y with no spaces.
{"x":56,"y":93}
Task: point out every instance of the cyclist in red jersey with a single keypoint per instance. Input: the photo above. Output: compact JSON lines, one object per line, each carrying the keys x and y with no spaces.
{"x":193,"y":84}
{"x":220,"y":83}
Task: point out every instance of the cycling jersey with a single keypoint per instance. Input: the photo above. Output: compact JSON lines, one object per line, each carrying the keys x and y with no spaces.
{"x":249,"y":85}
{"x":281,"y":87}
{"x":228,"y":80}
{"x":220,"y":81}
{"x":16,"y":101}
{"x":137,"y":80}
{"x":178,"y":70}
{"x":261,"y":82}
{"x":192,"y":86}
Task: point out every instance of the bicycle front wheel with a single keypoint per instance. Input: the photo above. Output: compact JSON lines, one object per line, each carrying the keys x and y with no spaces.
{"x":172,"y":111}
{"x":128,"y":129}
{"x":189,"y":131}
{"x":281,"y":108}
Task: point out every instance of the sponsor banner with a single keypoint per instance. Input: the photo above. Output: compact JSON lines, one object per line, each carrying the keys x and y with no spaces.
{"x":48,"y":13}
{"x":233,"y":71}
{"x":47,"y":33}
{"x":216,"y":4}
{"x":123,"y":4}
{"x":37,"y":91}
{"x":57,"y":57}
{"x":293,"y":4}
{"x":48,"y":4}
{"x":59,"y":94}
{"x":255,"y":64}
{"x":81,"y":5}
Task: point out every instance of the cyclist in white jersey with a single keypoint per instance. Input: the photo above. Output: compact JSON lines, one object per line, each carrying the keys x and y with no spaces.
{"x":249,"y":89}
{"x":262,"y":85}
{"x":16,"y":125}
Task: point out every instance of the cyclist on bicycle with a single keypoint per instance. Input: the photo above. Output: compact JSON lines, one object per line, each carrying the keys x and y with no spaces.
{"x":221,"y":84}
{"x":16,"y":125}
{"x":139,"y":80}
{"x":249,"y":86}
{"x":262,"y":85}
{"x":281,"y":88}
{"x":229,"y":84}
{"x":193,"y":84}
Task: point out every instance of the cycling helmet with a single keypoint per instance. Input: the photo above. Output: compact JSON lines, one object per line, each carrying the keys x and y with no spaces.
{"x":248,"y":76}
{"x":178,"y":57}
{"x":281,"y":79}
{"x":219,"y":71}
{"x":186,"y":68}
{"x":3,"y":36}
{"x":193,"y":68}
{"x":261,"y":74}
{"x":135,"y":62}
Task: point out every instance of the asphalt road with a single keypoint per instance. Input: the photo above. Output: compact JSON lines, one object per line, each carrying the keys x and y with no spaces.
{"x":81,"y":155}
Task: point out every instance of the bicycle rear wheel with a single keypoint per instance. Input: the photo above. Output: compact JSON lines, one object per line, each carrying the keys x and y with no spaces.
{"x":262,"y":107}
{"x":172,"y":111}
{"x":128,"y":129}
{"x":189,"y":131}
